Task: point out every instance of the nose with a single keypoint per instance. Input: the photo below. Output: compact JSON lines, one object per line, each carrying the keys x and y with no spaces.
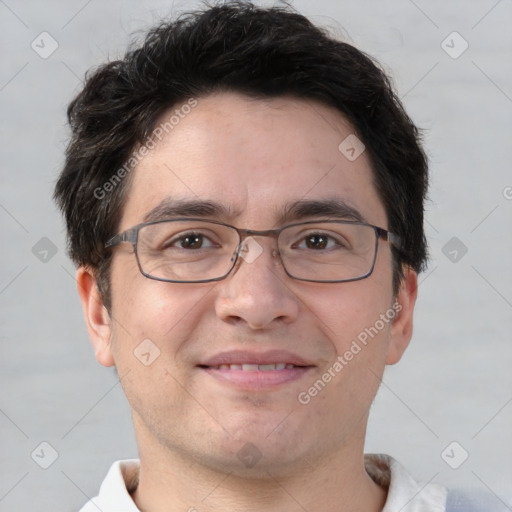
{"x":257,"y":291}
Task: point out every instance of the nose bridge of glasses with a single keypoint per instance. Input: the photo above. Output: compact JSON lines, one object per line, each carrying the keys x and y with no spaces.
{"x":249,"y":249}
{"x":271,"y":233}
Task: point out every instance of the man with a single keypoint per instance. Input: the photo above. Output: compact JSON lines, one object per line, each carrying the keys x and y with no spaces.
{"x":244,"y":202}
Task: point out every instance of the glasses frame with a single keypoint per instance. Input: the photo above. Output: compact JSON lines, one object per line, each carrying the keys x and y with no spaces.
{"x":131,"y":236}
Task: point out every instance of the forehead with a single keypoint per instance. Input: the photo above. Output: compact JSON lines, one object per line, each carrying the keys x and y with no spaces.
{"x":252,"y":157}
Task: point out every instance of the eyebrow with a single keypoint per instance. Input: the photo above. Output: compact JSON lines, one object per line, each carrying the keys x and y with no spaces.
{"x":332,"y":208}
{"x":293,"y":211}
{"x":169,"y":208}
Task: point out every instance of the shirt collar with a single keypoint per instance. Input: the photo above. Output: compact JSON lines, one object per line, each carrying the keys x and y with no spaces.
{"x":404,"y":493}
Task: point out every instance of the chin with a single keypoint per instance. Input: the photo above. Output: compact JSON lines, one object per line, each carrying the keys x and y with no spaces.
{"x":260,"y":446}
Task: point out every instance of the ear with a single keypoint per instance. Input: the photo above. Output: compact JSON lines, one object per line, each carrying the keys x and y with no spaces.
{"x":401,"y":328}
{"x":97,"y":317}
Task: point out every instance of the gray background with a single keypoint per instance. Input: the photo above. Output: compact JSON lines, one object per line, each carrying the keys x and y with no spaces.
{"x":454,"y":383}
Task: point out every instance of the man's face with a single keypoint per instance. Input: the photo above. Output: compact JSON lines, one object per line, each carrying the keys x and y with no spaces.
{"x":255,"y":158}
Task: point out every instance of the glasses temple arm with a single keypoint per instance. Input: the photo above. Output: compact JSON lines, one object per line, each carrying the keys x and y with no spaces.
{"x":127,"y":236}
{"x":390,"y":237}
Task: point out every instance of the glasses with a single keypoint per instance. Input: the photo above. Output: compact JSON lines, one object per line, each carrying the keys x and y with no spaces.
{"x":188,"y":250}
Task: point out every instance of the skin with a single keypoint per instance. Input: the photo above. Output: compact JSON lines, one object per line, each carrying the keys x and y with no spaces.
{"x":253,"y":156}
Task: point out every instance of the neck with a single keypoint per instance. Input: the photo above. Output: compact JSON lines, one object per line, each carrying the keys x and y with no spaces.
{"x":170,"y":480}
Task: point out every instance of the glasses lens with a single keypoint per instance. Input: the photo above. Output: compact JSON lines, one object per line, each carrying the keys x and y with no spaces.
{"x":186,"y":250}
{"x":328,"y":251}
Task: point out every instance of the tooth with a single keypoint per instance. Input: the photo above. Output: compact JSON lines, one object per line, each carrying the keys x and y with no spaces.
{"x":249,"y":367}
{"x":254,"y":367}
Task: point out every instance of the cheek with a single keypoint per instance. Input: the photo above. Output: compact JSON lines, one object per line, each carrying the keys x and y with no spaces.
{"x":348,"y":310}
{"x":359,"y":332}
{"x":164,"y":313}
{"x":153,"y":321}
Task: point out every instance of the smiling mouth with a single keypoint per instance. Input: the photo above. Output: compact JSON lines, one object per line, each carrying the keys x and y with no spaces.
{"x":256,"y":377}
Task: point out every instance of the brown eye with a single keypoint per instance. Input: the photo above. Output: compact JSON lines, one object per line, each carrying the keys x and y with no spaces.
{"x":316,"y":242}
{"x":320,"y":241}
{"x":189,"y":241}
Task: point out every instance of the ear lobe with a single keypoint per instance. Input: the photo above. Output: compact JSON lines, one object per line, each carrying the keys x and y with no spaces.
{"x":402,"y":326}
{"x":96,"y":316}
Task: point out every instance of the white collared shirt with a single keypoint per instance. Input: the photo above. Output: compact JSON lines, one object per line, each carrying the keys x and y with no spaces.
{"x":404,"y":493}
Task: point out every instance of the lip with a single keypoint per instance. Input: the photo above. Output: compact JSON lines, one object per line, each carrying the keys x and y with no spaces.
{"x":249,"y":357}
{"x":256,"y":379}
